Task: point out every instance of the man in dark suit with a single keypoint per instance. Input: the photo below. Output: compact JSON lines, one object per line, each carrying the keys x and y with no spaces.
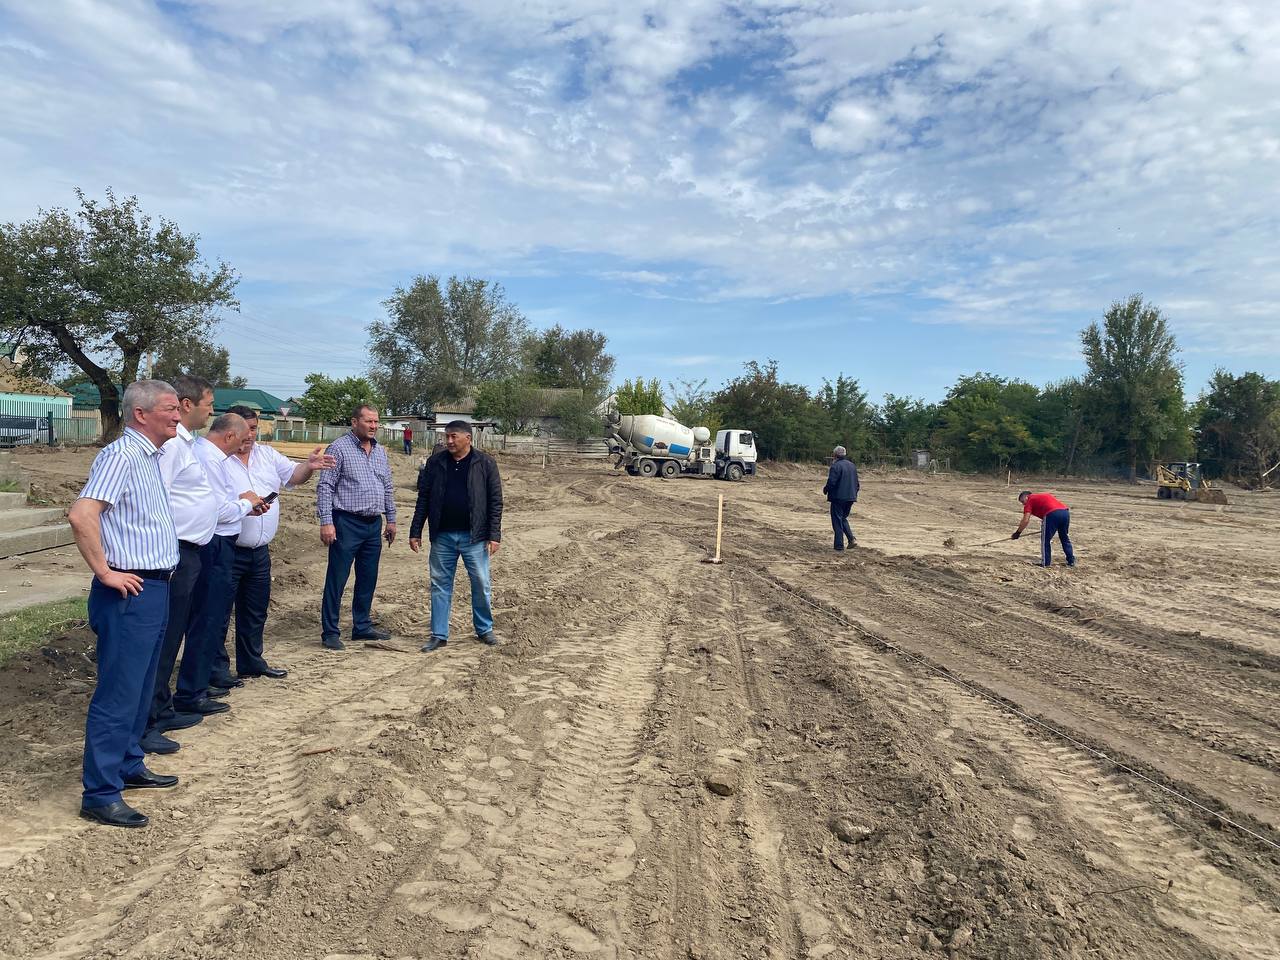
{"x":842,"y":491}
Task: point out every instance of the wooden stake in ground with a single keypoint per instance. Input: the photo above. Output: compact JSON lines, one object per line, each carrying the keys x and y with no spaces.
{"x":719,"y":528}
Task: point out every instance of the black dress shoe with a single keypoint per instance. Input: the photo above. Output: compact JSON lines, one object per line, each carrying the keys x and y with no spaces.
{"x":145,"y":779}
{"x":118,"y":814}
{"x":274,"y":673}
{"x":374,"y":634}
{"x":435,"y":643}
{"x":205,"y":707}
{"x":179,"y":721}
{"x":153,"y":741}
{"x":227,"y":682}
{"x":332,"y":643}
{"x":217,"y":693}
{"x":489,"y":639}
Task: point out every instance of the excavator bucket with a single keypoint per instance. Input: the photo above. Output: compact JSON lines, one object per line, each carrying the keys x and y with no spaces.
{"x":1209,"y":495}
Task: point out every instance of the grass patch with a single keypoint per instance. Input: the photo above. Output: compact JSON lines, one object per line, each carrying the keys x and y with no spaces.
{"x":29,"y":627}
{"x":12,"y":486}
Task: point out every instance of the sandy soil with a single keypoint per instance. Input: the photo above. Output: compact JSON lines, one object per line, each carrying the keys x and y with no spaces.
{"x":794,"y":754}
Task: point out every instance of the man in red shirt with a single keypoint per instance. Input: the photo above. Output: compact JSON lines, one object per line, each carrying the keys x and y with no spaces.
{"x":1054,"y":518}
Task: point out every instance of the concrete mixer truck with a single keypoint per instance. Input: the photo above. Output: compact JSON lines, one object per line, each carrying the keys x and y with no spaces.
{"x":650,"y":446}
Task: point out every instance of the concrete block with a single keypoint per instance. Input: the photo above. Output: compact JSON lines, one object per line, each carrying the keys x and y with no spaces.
{"x":11,"y":501}
{"x":26,"y":517}
{"x":14,"y":542}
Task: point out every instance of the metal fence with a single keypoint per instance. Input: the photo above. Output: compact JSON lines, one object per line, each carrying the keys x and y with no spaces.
{"x":327,"y":433}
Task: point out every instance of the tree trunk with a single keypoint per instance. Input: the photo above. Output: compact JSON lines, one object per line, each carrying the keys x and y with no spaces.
{"x":108,"y":393}
{"x":1133,"y":461}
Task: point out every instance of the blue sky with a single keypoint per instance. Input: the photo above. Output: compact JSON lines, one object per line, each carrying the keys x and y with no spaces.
{"x":900,"y":193}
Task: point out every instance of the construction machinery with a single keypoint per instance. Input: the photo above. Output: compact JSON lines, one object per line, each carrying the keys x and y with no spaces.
{"x":1185,"y":481}
{"x":652,"y":446}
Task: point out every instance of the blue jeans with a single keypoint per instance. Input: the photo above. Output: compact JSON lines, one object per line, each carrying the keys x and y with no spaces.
{"x":130,"y":633}
{"x":359,"y":541}
{"x":445,"y":550}
{"x":1056,"y":522}
{"x":840,"y":521}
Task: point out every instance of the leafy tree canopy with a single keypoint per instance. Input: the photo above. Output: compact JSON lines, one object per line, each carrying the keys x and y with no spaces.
{"x":639,"y":397}
{"x":333,"y":401}
{"x":100,"y":288}
{"x":572,"y":359}
{"x":196,"y":355}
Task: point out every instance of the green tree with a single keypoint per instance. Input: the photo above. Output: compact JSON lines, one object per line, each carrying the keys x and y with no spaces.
{"x":576,"y":418}
{"x":103,"y":288}
{"x":512,"y":402}
{"x":571,"y":359}
{"x":332,"y":401}
{"x":691,"y":404}
{"x":985,"y":423}
{"x":638,"y":397}
{"x":1238,"y":426}
{"x":196,"y":355}
{"x":785,"y":421}
{"x":848,"y":414}
{"x":903,"y":424}
{"x":1130,"y":360}
{"x":439,"y":342}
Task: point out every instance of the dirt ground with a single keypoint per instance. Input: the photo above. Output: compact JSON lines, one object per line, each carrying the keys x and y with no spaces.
{"x":795,"y":754}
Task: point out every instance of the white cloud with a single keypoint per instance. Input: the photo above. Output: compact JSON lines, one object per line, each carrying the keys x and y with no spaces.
{"x":979,"y":160}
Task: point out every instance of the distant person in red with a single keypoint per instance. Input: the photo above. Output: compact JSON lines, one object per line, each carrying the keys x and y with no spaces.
{"x":1054,"y":518}
{"x":408,"y":441}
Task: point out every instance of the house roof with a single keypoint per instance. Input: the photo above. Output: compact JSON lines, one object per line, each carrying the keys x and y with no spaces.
{"x":12,"y":380}
{"x":85,"y":396}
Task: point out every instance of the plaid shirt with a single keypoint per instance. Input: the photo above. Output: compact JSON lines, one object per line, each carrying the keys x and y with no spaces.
{"x":360,"y":483}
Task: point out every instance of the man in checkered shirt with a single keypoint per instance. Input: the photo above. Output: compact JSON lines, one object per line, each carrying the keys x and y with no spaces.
{"x":351,"y":500}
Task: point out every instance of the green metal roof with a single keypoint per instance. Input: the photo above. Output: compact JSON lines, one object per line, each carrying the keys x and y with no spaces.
{"x":85,"y":396}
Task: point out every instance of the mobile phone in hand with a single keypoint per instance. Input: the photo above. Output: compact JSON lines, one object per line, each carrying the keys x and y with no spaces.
{"x":269,"y":497}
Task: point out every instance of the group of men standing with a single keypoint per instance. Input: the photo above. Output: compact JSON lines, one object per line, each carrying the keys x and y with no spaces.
{"x":176,"y":529}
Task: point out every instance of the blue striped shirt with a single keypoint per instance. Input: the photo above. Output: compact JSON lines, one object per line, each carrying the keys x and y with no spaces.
{"x":360,"y":483}
{"x":137,"y":526}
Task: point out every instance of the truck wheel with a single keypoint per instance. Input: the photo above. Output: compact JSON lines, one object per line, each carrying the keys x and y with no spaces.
{"x":733,"y":472}
{"x":670,"y":468}
{"x":1162,"y":493}
{"x":648,"y":468}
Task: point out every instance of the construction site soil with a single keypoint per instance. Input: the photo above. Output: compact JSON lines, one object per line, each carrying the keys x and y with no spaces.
{"x":917,"y":747}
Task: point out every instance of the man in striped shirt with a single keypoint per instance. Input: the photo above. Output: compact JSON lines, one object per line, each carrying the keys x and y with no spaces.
{"x":350,"y":501}
{"x":124,"y":528}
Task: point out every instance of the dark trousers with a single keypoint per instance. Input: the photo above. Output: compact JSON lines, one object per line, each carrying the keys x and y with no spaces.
{"x":207,"y":621}
{"x":130,"y":631}
{"x":840,"y":521}
{"x":250,"y":593}
{"x":1056,"y":522}
{"x":182,"y":590}
{"x":360,"y":542}
{"x":408,"y":448}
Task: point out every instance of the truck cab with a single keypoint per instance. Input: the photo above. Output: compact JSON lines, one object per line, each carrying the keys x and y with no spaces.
{"x":735,"y":454}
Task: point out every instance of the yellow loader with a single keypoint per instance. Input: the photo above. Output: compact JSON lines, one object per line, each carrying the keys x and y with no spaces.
{"x":1185,"y":481}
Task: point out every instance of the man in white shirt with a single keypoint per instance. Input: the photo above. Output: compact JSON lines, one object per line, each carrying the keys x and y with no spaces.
{"x":211,"y":607}
{"x":265,"y":471}
{"x":195,"y":514}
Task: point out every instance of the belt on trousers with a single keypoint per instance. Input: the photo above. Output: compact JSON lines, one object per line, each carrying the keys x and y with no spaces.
{"x":366,"y":517}
{"x":148,"y":574}
{"x":188,"y":545}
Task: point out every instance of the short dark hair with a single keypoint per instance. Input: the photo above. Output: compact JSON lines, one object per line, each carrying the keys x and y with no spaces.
{"x":457,"y":426}
{"x":361,"y":408}
{"x":190,"y":387}
{"x":1024,"y":493}
{"x":247,"y":412}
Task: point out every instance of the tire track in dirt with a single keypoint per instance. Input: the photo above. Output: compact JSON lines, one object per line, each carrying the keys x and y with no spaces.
{"x":1214,"y":907}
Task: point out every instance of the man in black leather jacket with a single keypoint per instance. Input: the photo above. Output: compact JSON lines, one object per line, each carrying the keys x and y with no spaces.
{"x":460,"y":499}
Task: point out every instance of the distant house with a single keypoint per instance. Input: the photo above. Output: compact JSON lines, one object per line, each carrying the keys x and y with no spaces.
{"x":544,"y":422}
{"x":29,"y":397}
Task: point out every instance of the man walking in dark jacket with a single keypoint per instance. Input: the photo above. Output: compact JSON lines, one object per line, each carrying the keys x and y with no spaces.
{"x":842,"y":491}
{"x":460,"y":498}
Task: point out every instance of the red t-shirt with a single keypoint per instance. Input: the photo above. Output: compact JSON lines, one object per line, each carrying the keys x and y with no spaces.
{"x":1039,"y":505}
{"x":408,"y":434}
